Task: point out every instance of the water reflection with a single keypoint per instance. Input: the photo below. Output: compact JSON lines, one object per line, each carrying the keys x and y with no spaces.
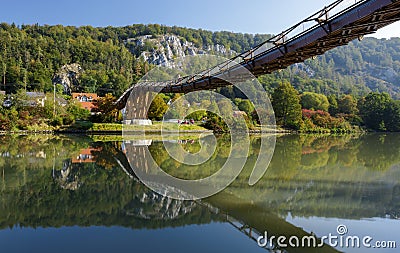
{"x":58,"y":181}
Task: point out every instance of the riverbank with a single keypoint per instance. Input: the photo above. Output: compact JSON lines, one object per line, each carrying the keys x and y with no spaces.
{"x":86,"y":127}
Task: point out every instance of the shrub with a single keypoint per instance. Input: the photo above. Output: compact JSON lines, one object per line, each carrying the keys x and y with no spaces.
{"x":68,"y":119}
{"x":216,"y":124}
{"x":57,"y":121}
{"x":321,"y":119}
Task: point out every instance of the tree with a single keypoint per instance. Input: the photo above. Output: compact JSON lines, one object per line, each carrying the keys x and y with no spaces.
{"x":314,"y":101}
{"x":20,"y":99}
{"x":333,"y":105}
{"x":373,"y":110}
{"x":286,"y":103}
{"x":197,"y":115}
{"x":225,"y":108}
{"x":392,"y":116}
{"x":347,"y":105}
{"x":76,"y":111}
{"x":216,"y":123}
{"x":88,"y":82}
{"x":106,"y":108}
{"x":246,"y":106}
{"x":157,"y":108}
{"x":4,"y":68}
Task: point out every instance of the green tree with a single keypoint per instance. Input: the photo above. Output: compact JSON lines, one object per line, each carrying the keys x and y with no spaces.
{"x":4,"y":72}
{"x":246,"y":106}
{"x":157,"y":108}
{"x":373,"y":109}
{"x":215,"y":123}
{"x":76,"y":111}
{"x":213,"y":107}
{"x":286,"y":104}
{"x":333,"y":105}
{"x":89,"y":82}
{"x":20,"y":99}
{"x":347,"y":105}
{"x":392,"y":116}
{"x":314,"y":101}
{"x":197,"y":115}
{"x":225,"y":108}
{"x":106,"y":108}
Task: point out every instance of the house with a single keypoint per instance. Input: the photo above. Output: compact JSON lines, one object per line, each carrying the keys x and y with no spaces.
{"x":33,"y":99}
{"x":6,"y":100}
{"x":61,"y":101}
{"x":36,"y":98}
{"x":86,"y":155}
{"x":7,"y":103}
{"x":86,"y":100}
{"x":85,"y":97}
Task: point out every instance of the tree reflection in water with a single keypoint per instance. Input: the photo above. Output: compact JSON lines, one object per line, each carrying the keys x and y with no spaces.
{"x":351,"y":177}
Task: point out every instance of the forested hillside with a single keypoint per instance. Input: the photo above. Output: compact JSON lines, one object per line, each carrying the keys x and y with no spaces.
{"x":30,"y":55}
{"x":112,"y":58}
{"x":371,"y":64}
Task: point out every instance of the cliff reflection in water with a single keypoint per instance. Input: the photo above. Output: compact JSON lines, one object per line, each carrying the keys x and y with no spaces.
{"x":66,"y":181}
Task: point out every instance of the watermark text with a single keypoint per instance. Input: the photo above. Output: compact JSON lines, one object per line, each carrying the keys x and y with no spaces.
{"x":340,"y":239}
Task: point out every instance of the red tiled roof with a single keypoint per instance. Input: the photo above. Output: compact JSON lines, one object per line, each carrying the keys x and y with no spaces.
{"x":88,"y":105}
{"x":93,"y":95}
{"x":85,"y":156}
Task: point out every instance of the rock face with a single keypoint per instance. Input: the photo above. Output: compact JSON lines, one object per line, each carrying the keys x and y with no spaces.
{"x":161,"y":208}
{"x":303,"y":67}
{"x":67,"y":177}
{"x":387,"y":74}
{"x":162,"y":50}
{"x":68,"y":77}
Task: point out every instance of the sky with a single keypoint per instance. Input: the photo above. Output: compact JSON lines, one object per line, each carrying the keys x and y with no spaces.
{"x":251,"y":16}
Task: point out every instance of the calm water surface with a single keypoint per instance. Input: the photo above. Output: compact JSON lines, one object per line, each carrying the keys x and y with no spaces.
{"x":79,"y":194}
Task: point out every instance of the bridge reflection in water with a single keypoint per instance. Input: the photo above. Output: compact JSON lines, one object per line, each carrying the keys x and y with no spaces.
{"x":248,"y":218}
{"x":332,"y":179}
{"x":343,"y":177}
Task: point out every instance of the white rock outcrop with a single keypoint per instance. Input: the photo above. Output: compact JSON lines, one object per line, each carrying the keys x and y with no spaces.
{"x":166,"y":48}
{"x":68,"y":77}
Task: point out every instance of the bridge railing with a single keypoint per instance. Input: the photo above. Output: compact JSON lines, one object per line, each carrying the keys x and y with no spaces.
{"x":312,"y":22}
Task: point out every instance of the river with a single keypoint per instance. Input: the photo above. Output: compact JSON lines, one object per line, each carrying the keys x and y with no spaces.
{"x":80,"y":194}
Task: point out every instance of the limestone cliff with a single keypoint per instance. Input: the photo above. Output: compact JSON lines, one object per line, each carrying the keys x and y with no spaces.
{"x":68,"y":77}
{"x":163,"y":49}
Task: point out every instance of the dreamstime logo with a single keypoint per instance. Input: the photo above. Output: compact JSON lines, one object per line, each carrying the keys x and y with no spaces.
{"x":341,"y":229}
{"x":339,"y":240}
{"x":198,"y":100}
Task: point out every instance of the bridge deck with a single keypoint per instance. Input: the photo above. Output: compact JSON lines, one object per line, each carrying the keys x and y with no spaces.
{"x":327,"y":32}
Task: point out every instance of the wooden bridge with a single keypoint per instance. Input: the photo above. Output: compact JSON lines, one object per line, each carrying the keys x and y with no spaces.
{"x":333,"y":26}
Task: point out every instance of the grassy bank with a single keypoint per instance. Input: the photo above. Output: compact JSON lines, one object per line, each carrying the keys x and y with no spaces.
{"x":318,"y":130}
{"x":86,"y":126}
{"x":158,"y":127}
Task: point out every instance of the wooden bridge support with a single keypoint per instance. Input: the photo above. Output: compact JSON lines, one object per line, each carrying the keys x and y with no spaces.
{"x":137,"y":107}
{"x":135,"y":153}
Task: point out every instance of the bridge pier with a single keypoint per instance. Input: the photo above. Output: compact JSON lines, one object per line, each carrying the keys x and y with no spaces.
{"x":137,"y":107}
{"x":140,"y":122}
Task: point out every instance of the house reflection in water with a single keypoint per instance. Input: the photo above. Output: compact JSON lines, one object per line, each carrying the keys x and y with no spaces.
{"x":69,"y":175}
{"x":86,"y":156}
